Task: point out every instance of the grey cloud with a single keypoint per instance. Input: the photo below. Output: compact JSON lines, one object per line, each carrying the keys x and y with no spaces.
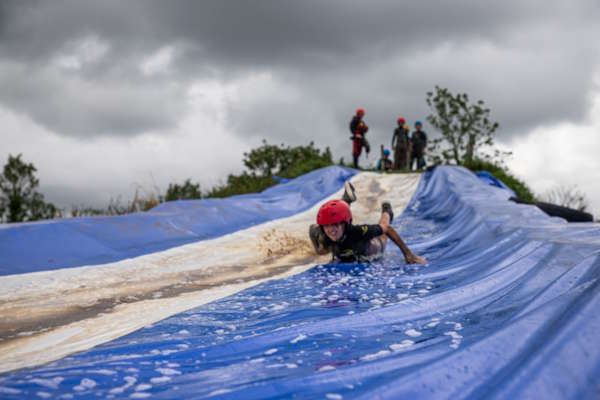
{"x":265,"y":32}
{"x":332,"y":55}
{"x":85,"y":108}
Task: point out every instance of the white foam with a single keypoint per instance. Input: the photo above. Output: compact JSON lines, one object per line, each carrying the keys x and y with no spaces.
{"x":374,"y":356}
{"x":168,"y":371}
{"x":326,"y":368}
{"x":47,"y":383}
{"x":412,"y":333}
{"x":219,"y":392}
{"x":432,"y":323}
{"x":402,"y":345}
{"x":129,"y":382}
{"x":298,"y":338}
{"x":103,"y":371}
{"x":456,"y":339}
{"x":85,"y":384}
{"x":160,"y":379}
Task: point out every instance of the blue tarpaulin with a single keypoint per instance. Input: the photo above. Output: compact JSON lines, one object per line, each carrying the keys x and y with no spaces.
{"x":507,"y":308}
{"x":492,"y":180}
{"x":75,"y":242}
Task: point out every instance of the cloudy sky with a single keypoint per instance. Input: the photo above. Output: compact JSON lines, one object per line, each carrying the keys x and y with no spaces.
{"x":108,"y":96}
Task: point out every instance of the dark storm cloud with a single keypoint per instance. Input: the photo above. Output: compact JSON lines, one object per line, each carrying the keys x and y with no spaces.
{"x":87,"y":108}
{"x":532,"y":62}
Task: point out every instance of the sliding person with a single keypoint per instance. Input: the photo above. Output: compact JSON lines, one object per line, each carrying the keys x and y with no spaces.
{"x":335,"y":233}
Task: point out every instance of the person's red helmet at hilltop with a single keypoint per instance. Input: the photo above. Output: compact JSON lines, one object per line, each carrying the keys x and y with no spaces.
{"x":333,"y":212}
{"x":401,"y":121}
{"x":360,"y":112}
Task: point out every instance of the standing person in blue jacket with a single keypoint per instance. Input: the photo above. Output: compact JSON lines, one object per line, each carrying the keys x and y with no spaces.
{"x":418,"y":143}
{"x":384,"y":164}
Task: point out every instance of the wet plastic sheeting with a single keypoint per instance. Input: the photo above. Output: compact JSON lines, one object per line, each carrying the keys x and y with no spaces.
{"x":75,"y":242}
{"x":507,"y":308}
{"x":492,"y":180}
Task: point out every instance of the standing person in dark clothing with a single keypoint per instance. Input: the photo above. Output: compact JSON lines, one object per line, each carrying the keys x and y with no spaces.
{"x":358,"y":128}
{"x":400,"y":144}
{"x":418,"y":143}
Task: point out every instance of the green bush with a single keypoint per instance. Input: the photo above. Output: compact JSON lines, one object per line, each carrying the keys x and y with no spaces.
{"x":518,"y":186}
{"x":186,"y":191}
{"x":19,"y":199}
{"x":240,"y":184}
{"x":268,"y":161}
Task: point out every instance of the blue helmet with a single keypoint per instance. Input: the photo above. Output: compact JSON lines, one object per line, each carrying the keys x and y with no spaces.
{"x":386,"y":152}
{"x":417,"y":122}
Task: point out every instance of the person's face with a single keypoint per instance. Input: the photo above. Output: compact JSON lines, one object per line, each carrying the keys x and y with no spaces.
{"x":418,"y":127}
{"x":334,"y":231}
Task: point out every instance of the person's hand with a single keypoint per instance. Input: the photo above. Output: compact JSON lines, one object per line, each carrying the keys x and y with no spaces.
{"x":415,"y":259}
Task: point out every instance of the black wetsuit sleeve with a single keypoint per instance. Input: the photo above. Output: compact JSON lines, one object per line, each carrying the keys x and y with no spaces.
{"x":367,"y":232}
{"x":354,"y":125}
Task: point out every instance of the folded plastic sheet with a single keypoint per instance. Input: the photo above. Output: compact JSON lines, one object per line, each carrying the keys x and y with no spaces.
{"x":75,"y":242}
{"x":492,"y":180}
{"x":506,"y":308}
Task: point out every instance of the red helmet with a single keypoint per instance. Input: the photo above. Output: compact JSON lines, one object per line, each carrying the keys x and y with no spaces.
{"x":360,"y":112}
{"x":401,"y":121}
{"x":334,"y":211}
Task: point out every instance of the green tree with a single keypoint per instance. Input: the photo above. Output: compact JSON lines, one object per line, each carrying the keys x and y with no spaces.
{"x":466,"y":128}
{"x":187,"y":191}
{"x":268,"y":160}
{"x":287,"y":162}
{"x":241,"y":184}
{"x":19,"y":201}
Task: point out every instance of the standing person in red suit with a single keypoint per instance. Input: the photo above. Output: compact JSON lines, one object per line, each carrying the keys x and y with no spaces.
{"x":358,"y":128}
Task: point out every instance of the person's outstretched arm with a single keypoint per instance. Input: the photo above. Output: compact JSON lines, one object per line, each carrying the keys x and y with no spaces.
{"x":409,"y":256}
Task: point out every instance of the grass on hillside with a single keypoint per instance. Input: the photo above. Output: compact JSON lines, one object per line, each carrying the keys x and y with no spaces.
{"x":518,"y":186}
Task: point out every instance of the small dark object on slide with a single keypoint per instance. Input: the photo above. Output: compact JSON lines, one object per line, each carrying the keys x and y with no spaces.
{"x":570,"y":214}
